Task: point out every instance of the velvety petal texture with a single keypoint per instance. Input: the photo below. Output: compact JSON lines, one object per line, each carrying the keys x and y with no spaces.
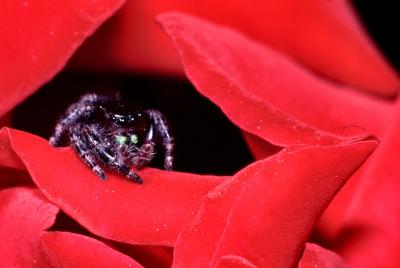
{"x":324,"y":35}
{"x":38,"y":37}
{"x":261,"y":90}
{"x":166,"y":202}
{"x":266,"y":211}
{"x":24,"y":215}
{"x":64,"y":249}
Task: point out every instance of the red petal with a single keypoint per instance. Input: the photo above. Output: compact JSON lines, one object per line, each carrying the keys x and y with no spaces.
{"x":12,"y":169}
{"x":153,"y":213}
{"x":369,"y":228}
{"x":266,"y":211}
{"x":24,"y":214}
{"x":64,"y":249}
{"x":38,"y":37}
{"x":250,"y":83}
{"x":323,"y":35}
{"x":8,"y":158}
{"x":316,"y":256}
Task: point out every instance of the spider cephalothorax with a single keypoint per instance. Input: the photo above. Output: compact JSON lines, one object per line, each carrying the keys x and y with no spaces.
{"x":106,"y":132}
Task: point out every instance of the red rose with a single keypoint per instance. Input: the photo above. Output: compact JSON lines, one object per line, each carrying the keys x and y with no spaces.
{"x":298,"y":124}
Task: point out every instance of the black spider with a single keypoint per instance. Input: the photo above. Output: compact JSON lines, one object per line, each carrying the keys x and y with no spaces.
{"x":106,"y":134}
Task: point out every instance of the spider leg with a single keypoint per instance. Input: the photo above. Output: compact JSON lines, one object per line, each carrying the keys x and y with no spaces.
{"x":162,"y":130}
{"x":141,"y":156}
{"x":84,"y":107}
{"x":85,"y":152}
{"x":106,"y":154}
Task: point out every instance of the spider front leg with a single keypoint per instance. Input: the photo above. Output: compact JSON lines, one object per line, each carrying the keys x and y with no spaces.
{"x":85,"y":151}
{"x":162,"y":130}
{"x":107,"y":154}
{"x":83,"y":108}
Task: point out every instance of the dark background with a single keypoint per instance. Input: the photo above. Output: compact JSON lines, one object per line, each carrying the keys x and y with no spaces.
{"x":206,"y":142}
{"x":382,"y":20}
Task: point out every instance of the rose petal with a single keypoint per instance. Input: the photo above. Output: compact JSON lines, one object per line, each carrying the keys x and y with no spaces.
{"x":153,"y":213}
{"x":247,"y":81}
{"x":38,"y":37}
{"x":8,"y":158}
{"x":325,"y":36}
{"x":24,"y":214}
{"x":266,"y":211}
{"x":316,"y":256}
{"x":64,"y":249}
{"x":12,"y":169}
{"x":368,"y":230}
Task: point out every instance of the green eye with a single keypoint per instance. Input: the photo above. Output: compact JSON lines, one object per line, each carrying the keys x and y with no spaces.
{"x":120,"y":139}
{"x":134,"y":139}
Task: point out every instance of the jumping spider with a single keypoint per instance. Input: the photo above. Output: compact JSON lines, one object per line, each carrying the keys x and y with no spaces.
{"x":105,"y":133}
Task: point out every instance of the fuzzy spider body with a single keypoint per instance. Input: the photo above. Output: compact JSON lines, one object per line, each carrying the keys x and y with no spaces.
{"x":105,"y":133}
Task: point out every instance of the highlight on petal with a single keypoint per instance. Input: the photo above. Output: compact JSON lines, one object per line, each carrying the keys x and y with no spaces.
{"x":266,"y":212}
{"x":232,"y":261}
{"x":24,"y":215}
{"x":261,"y":90}
{"x":323,"y":35}
{"x":316,"y":256}
{"x":38,"y":37}
{"x":64,"y":249}
{"x":152,"y":214}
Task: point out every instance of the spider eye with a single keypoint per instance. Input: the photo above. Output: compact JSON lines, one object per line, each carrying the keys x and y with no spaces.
{"x":118,"y":119}
{"x":131,"y":119}
{"x":120,"y":139}
{"x":134,"y":139}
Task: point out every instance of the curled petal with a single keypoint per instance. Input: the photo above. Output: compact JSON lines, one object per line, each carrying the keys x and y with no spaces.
{"x":38,"y":37}
{"x":266,"y":211}
{"x":264,"y":92}
{"x":153,"y":213}
{"x":366,"y":233}
{"x":24,"y":215}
